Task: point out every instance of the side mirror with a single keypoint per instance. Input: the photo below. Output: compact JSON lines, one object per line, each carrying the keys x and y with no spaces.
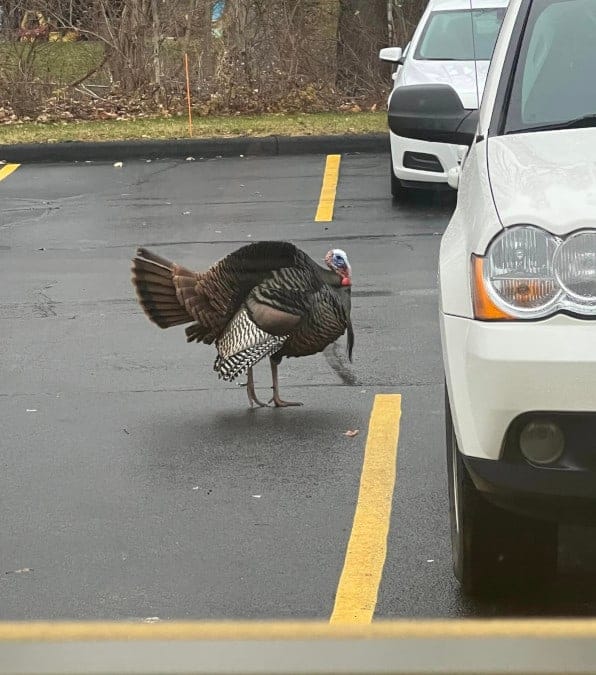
{"x":431,"y":112}
{"x":391,"y":54}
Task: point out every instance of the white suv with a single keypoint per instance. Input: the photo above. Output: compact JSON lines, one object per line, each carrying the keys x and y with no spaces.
{"x":444,"y":50}
{"x":517,"y":277}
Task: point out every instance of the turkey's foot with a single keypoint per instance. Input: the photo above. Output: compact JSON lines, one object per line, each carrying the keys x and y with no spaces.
{"x":250,"y":390}
{"x":276,"y":400}
{"x":280,"y":403}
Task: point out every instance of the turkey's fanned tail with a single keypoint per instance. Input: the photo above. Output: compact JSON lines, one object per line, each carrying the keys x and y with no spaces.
{"x":153,"y":279}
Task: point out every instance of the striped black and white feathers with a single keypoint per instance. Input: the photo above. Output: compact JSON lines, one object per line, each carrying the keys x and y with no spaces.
{"x":264,"y":299}
{"x":242,"y":345}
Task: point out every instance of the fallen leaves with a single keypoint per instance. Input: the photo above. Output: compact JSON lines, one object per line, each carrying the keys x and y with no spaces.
{"x":66,"y":107}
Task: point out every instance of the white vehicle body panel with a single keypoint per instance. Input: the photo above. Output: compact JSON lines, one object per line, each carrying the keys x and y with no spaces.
{"x":496,"y":371}
{"x":545,"y":178}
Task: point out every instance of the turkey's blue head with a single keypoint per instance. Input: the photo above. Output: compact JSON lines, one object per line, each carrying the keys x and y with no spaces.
{"x":337,"y":260}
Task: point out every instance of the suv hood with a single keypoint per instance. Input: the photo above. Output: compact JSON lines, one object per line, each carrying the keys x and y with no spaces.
{"x":545,"y":178}
{"x":461,"y":75}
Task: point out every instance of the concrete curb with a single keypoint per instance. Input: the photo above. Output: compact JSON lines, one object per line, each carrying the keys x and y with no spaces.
{"x":80,"y":151}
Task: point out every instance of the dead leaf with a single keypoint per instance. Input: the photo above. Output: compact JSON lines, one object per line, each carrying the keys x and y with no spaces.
{"x":352,"y":432}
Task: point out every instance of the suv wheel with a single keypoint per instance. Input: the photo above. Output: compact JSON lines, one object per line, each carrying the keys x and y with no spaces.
{"x":494,"y":551}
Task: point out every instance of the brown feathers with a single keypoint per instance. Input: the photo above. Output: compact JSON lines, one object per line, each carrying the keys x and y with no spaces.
{"x":152,"y":278}
{"x":284,"y":292}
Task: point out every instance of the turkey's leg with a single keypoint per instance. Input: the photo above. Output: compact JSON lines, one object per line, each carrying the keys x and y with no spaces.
{"x":250,"y":390}
{"x":276,"y":400}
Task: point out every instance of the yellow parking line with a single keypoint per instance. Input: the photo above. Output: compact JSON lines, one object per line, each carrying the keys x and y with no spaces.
{"x":86,"y":631}
{"x":328,"y":189}
{"x":358,"y":587}
{"x":7,"y":169}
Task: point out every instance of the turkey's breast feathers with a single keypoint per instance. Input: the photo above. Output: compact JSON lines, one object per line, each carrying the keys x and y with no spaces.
{"x":314,"y":308}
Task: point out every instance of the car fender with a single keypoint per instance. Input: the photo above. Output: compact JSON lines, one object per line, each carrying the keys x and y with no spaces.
{"x":474,"y":223}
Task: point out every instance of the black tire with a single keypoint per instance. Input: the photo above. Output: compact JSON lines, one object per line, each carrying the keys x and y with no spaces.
{"x":398,"y":191}
{"x":495,"y":552}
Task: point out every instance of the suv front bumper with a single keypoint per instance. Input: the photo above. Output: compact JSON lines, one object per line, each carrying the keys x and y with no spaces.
{"x":499,"y":374}
{"x":560,"y":494}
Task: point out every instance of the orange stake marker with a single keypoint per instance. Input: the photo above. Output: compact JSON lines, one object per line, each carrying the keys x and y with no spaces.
{"x":188,"y":94}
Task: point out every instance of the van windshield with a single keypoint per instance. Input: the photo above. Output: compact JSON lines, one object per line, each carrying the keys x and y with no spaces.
{"x":447,"y":35}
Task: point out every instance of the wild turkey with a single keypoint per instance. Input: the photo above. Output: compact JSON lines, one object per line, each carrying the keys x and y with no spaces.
{"x":266,"y":299}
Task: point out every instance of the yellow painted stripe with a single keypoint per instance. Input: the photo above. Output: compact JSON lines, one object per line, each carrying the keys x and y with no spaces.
{"x":356,"y":595}
{"x":298,"y":630}
{"x":328,"y":189}
{"x":7,"y":169}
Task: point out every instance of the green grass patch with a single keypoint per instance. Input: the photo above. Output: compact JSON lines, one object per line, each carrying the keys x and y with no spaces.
{"x":205,"y":127}
{"x":58,"y":62}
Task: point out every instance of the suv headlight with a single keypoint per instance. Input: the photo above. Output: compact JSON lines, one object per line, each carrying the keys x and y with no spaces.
{"x":528,"y":273}
{"x":575,"y":268}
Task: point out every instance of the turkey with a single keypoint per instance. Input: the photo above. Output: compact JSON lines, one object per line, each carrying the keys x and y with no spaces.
{"x":266,"y":299}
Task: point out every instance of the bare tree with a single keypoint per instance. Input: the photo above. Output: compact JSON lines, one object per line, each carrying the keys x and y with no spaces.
{"x":361,"y":32}
{"x":261,"y":55}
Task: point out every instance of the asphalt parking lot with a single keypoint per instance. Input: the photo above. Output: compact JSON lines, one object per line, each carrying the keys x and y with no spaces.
{"x":136,"y":485}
